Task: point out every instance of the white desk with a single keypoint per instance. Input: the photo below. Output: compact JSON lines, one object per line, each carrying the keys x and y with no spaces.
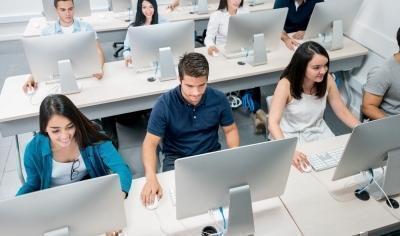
{"x":122,"y":90}
{"x":112,"y":26}
{"x":323,"y":207}
{"x":317,"y":205}
{"x":270,"y":216}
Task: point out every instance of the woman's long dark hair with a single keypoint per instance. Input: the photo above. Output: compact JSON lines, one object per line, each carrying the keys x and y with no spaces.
{"x":140,"y":18}
{"x":296,"y":70}
{"x":223,"y":4}
{"x":86,"y":134}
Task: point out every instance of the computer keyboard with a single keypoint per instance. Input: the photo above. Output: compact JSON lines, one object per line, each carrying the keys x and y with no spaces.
{"x":325,"y":160}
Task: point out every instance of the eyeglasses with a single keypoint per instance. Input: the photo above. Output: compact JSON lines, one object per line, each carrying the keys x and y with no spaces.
{"x":74,"y":169}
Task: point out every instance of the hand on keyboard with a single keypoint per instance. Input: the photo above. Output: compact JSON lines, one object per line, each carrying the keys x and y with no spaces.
{"x":300,"y":161}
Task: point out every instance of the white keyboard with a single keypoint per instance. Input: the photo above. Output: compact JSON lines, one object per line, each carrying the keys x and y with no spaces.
{"x":325,"y":160}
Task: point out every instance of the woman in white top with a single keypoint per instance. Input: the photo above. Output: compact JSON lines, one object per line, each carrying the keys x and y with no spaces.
{"x":300,"y":97}
{"x":146,"y":14}
{"x":217,"y":28}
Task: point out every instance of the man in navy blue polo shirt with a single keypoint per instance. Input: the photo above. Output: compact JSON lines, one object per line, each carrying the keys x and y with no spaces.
{"x":187,"y":119}
{"x":297,"y":19}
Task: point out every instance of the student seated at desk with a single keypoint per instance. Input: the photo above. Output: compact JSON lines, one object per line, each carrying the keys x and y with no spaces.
{"x":187,"y":119}
{"x":146,"y":14}
{"x":66,"y":24}
{"x":217,"y":30}
{"x":382,"y":91}
{"x":299,"y":100}
{"x":297,"y":19}
{"x":69,"y":148}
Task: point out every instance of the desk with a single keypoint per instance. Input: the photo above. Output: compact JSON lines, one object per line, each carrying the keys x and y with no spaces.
{"x":323,"y":207}
{"x":122,"y":90}
{"x":270,"y":216}
{"x":112,"y":26}
{"x":317,"y":205}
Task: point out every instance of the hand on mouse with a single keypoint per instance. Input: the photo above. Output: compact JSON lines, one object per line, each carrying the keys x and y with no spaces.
{"x":300,"y":161}
{"x":211,"y":50}
{"x":150,"y":190}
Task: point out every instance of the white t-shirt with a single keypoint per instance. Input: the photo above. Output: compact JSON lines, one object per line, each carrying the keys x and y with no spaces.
{"x":61,"y":172}
{"x":68,"y":29}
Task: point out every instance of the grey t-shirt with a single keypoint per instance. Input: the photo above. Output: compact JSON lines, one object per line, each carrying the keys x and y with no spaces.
{"x":385,"y":81}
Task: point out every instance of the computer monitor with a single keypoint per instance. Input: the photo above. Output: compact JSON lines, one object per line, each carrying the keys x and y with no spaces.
{"x":121,"y":5}
{"x":325,"y":14}
{"x":64,"y":57}
{"x":89,"y":207}
{"x":371,"y":145}
{"x":255,"y":172}
{"x":243,"y":28}
{"x":161,"y":46}
{"x":81,"y":9}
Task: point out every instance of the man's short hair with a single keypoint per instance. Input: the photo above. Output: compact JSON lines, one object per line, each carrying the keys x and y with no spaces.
{"x":398,"y":38}
{"x":56,"y":2}
{"x":193,"y":64}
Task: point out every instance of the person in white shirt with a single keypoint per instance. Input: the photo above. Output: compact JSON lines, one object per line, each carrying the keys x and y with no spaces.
{"x":217,"y":28}
{"x":66,"y":24}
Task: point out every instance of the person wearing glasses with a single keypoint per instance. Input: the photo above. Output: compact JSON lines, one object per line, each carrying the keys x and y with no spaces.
{"x":69,"y":148}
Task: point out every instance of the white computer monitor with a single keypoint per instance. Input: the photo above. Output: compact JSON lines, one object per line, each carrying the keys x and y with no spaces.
{"x":255,"y":172}
{"x":332,"y":16}
{"x":64,"y":57}
{"x":161,"y":46}
{"x":81,"y":9}
{"x":243,"y":28}
{"x":371,"y":145}
{"x":121,"y":5}
{"x":89,"y":207}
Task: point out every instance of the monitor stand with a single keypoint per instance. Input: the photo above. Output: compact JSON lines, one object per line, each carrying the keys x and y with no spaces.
{"x":337,"y":35}
{"x":259,"y":56}
{"x":390,"y":180}
{"x":167,"y":67}
{"x":67,"y":78}
{"x":240,"y":221}
{"x":202,"y":6}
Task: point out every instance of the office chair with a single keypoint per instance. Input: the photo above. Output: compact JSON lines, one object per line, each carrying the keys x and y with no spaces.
{"x":200,"y":38}
{"x":118,"y":48}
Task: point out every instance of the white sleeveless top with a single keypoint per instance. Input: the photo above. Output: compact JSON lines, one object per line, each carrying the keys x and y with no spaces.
{"x":303,"y":118}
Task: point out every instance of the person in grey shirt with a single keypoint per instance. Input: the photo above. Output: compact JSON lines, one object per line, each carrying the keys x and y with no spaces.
{"x":382,"y":91}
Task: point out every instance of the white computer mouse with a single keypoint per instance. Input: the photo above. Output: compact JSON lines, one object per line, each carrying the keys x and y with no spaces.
{"x":306,"y":169}
{"x":154,"y":205}
{"x":36,"y":25}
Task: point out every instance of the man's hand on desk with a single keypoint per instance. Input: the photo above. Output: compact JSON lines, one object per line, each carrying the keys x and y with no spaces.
{"x":150,"y":189}
{"x":290,"y":43}
{"x":298,"y":35}
{"x":98,"y":75}
{"x":300,"y":161}
{"x":211,"y":50}
{"x":128,"y":60}
{"x":29,"y":85}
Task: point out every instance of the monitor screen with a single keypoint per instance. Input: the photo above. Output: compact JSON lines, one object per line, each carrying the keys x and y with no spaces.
{"x":146,"y":41}
{"x":243,"y":27}
{"x":44,"y":53}
{"x":325,"y":13}
{"x":89,"y":207}
{"x":204,"y":182}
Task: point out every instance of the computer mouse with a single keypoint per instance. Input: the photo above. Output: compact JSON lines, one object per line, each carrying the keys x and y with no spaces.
{"x":215,"y":54}
{"x":306,"y":168}
{"x":102,"y":16}
{"x":36,"y":25}
{"x":154,"y":205}
{"x":30,"y":91}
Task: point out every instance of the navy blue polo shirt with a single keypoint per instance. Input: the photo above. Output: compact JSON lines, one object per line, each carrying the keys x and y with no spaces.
{"x":296,"y":19}
{"x":188,"y":130}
